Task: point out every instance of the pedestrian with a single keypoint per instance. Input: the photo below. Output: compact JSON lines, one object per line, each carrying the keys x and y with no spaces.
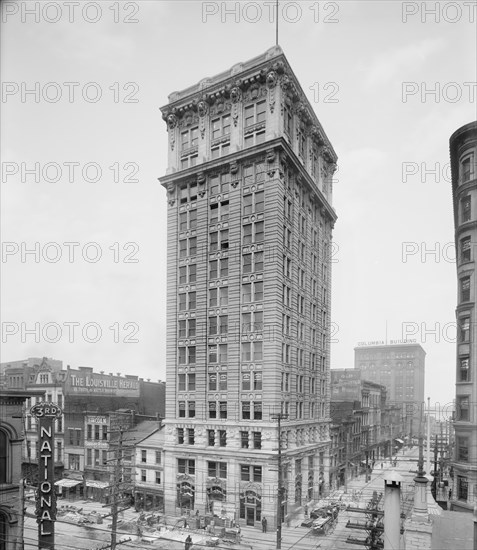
{"x":264,"y":524}
{"x":188,"y":542}
{"x":381,"y":465}
{"x":450,"y":494}
{"x":185,"y":523}
{"x":306,"y":511}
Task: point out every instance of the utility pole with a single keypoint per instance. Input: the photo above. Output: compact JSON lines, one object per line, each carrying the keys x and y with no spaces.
{"x":278,"y":417}
{"x":434,"y":481}
{"x":114,"y":505}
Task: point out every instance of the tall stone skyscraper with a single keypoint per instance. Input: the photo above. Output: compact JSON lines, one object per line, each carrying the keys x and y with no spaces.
{"x":463,"y":155}
{"x":249,"y":188}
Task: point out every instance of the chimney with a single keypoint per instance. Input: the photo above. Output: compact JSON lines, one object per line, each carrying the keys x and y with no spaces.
{"x":159,"y":420}
{"x":392,"y":510}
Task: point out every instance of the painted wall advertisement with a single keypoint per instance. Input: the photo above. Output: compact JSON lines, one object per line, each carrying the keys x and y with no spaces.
{"x":81,"y":383}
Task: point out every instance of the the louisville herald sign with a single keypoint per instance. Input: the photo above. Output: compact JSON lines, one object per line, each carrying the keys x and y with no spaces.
{"x":81,"y":383}
{"x":46,"y":413}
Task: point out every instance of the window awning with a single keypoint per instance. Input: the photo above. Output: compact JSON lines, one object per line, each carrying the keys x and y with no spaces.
{"x":399,"y":440}
{"x":97,"y":484}
{"x":67,"y":483}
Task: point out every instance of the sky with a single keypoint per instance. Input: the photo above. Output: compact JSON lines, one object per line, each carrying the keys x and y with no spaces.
{"x":83,"y":271}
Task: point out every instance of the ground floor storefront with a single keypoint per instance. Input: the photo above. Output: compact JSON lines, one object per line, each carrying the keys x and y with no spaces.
{"x":148,"y":500}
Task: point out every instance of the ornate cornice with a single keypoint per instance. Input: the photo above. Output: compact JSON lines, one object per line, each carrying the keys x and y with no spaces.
{"x":260,"y":77}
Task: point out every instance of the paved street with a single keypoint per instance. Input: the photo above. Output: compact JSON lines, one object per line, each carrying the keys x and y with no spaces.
{"x":294,"y":537}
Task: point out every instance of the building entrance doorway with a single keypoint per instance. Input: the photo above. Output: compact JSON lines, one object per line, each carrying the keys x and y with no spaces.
{"x":250,"y":510}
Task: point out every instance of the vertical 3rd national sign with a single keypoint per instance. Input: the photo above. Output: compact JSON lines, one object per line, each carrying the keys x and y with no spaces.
{"x":46,"y":413}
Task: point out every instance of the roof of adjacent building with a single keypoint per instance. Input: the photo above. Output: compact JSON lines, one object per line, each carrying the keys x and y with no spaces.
{"x":391,"y":347}
{"x":452,"y":531}
{"x":137,"y":434}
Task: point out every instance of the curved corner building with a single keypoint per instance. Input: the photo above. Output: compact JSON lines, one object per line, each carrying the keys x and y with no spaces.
{"x":463,"y":155}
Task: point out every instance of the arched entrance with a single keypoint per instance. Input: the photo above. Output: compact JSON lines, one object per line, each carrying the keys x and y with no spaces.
{"x":215,"y":496}
{"x":185,"y":496}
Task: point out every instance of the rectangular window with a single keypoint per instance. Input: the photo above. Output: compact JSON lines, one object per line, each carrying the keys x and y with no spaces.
{"x":218,"y":325}
{"x":252,"y":351}
{"x":217,"y":353}
{"x":219,"y":183}
{"x":180,"y":436}
{"x":187,"y":274}
{"x":244,"y":439}
{"x":254,"y":202}
{"x":191,"y":409}
{"x":223,"y":409}
{"x":463,"y":408}
{"x":466,"y":212}
{"x":211,"y":438}
{"x":89,"y":457}
{"x":464,"y":372}
{"x":144,"y":456}
{"x":188,"y":220}
{"x":219,"y":296}
{"x":257,"y":410}
{"x":254,"y":116}
{"x":190,"y":436}
{"x":219,"y":268}
{"x":252,"y":292}
{"x":89,"y":429}
{"x":252,"y":322}
{"x":212,"y":409}
{"x":465,"y":289}
{"x":462,"y":449}
{"x":219,"y":212}
{"x":190,"y":138}
{"x":223,"y":438}
{"x":219,"y":240}
{"x":158,"y":477}
{"x":464,"y":330}
{"x":182,"y":409}
{"x":257,"y":440}
{"x":466,"y":169}
{"x":245,"y":410}
{"x":158,"y":457}
{"x":253,"y":232}
{"x":217,"y":469}
{"x":465,"y":249}
{"x":188,"y":247}
{"x":462,"y":488}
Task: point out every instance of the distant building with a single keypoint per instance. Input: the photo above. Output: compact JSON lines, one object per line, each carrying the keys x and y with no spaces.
{"x":401,"y":368}
{"x":250,"y":220}
{"x":90,"y":401}
{"x":463,"y":156}
{"x":364,"y":430}
{"x":149,"y":469}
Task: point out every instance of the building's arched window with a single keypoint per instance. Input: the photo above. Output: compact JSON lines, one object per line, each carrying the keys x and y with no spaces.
{"x":3,"y":456}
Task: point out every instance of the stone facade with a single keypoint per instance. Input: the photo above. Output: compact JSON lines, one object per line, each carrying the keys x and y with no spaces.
{"x":249,"y":187}
{"x":463,"y":153}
